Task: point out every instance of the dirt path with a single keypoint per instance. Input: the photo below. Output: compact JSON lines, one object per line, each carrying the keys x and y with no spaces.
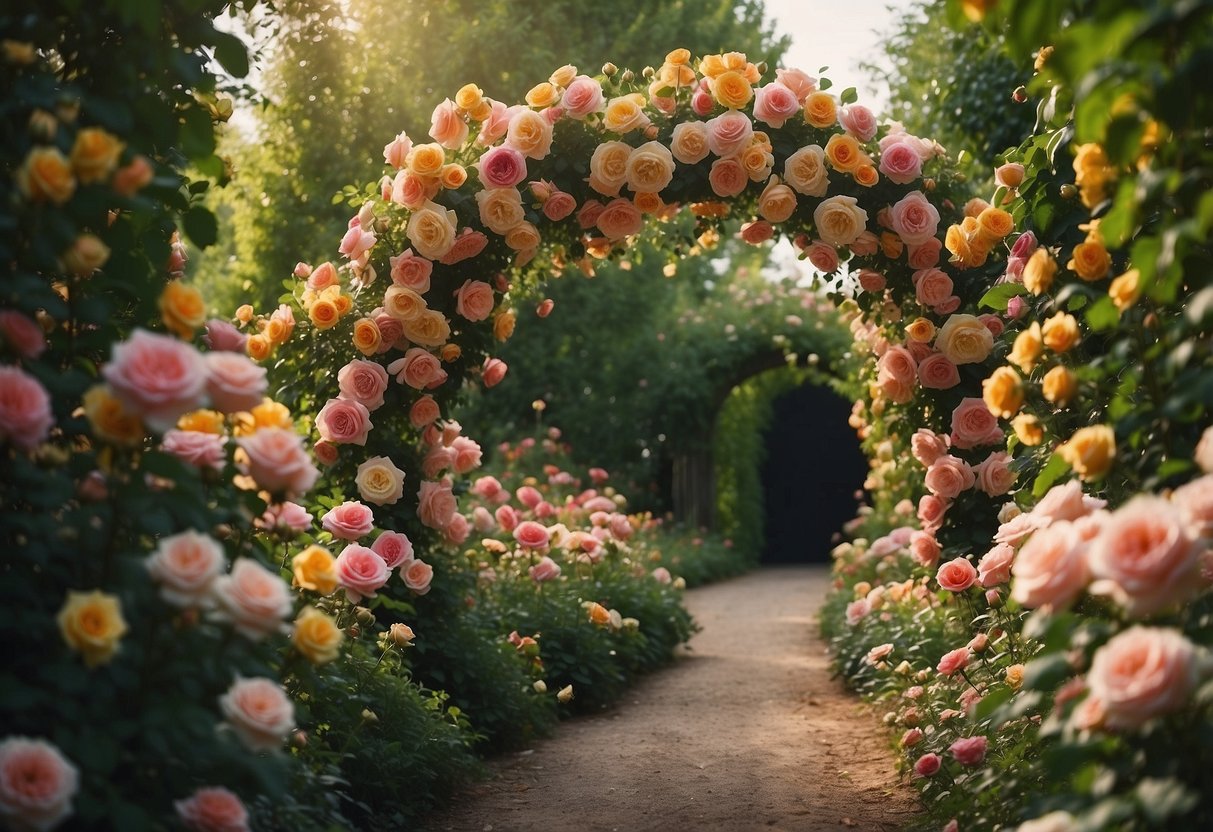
{"x":746,"y":731}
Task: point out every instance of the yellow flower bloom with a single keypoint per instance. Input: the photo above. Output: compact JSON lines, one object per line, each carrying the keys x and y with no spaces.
{"x":1060,"y":332}
{"x":317,"y":636}
{"x":503,"y":325}
{"x":453,"y":176}
{"x":323,"y":314}
{"x":1126,"y":289}
{"x":1026,"y":350}
{"x":732,"y":90}
{"x":110,"y":421}
{"x":1003,"y":392}
{"x":203,"y":421}
{"x":1028,"y":430}
{"x":993,"y":224}
{"x":469,"y":97}
{"x":95,"y":154}
{"x":315,"y":569}
{"x":1090,"y":451}
{"x":426,"y":159}
{"x":258,"y":347}
{"x":46,"y":175}
{"x":1059,"y":386}
{"x":182,"y":308}
{"x":91,"y":624}
{"x":843,"y":153}
{"x":543,"y":95}
{"x":1039,"y":271}
{"x":820,"y":110}
{"x":1090,"y":260}
{"x":366,"y":336}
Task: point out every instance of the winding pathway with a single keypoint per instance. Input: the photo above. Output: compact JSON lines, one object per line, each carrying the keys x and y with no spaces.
{"x":745,"y":731}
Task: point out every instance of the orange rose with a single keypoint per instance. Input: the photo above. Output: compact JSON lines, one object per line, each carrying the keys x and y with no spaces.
{"x":258,"y":347}
{"x":1090,"y":260}
{"x":323,"y":315}
{"x":366,"y":336}
{"x":453,"y":176}
{"x":820,"y":110}
{"x":109,"y":420}
{"x":426,"y":160}
{"x":843,"y":153}
{"x":46,"y":174}
{"x":732,"y":90}
{"x":182,"y":308}
{"x":503,"y":325}
{"x":95,"y":154}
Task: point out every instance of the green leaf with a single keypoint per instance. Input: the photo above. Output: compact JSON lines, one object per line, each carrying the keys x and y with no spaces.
{"x":231,"y":53}
{"x":825,"y":84}
{"x":1102,"y":315}
{"x":849,"y":96}
{"x":1055,"y":468}
{"x":201,"y":226}
{"x":998,"y":297}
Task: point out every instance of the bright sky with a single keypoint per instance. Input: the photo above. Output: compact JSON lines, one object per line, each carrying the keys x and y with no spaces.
{"x":836,"y":34}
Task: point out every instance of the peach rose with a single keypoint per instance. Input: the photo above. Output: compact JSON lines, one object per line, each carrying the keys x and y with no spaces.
{"x":25,"y":409}
{"x":277,"y":461}
{"x":431,"y":229}
{"x":727,"y":177}
{"x":1195,"y":504}
{"x":546,"y":570}
{"x":620,"y":218}
{"x":1143,"y":673}
{"x":1144,"y":557}
{"x":931,"y":510}
{"x":931,"y":287}
{"x":871,"y":281}
{"x":937,"y":372}
{"x":953,"y":661}
{"x":436,"y":504}
{"x":493,"y":371}
{"x":925,"y":549}
{"x":777,"y":201}
{"x":417,"y":575}
{"x":213,"y":809}
{"x":530,"y":133}
{"x":253,"y":599}
{"x":914,"y":218}
{"x":729,"y":133}
{"x":419,"y":369}
{"x":423,"y":412}
{"x":650,"y":168}
{"x":559,"y":205}
{"x":609,"y":167}
{"x":37,"y":784}
{"x":839,"y":220}
{"x":956,"y":575}
{"x":474,"y":300}
{"x":379,"y":481}
{"x":582,"y":97}
{"x":411,"y":271}
{"x":360,"y":572}
{"x":924,"y":255}
{"x":260,"y":713}
{"x":994,"y":568}
{"x":805,"y":171}
{"x":948,"y":476}
{"x":396,"y":152}
{"x":896,"y":374}
{"x":1051,"y":568}
{"x":823,"y":256}
{"x":927,"y":446}
{"x":466,"y":455}
{"x":994,"y":474}
{"x":202,"y":450}
{"x":157,"y":377}
{"x":973,"y":425}
{"x":234,"y":383}
{"x":689,"y":142}
{"x":964,"y":339}
{"x":467,"y":245}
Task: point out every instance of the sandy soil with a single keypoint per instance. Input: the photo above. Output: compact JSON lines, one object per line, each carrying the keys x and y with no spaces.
{"x":745,"y":731}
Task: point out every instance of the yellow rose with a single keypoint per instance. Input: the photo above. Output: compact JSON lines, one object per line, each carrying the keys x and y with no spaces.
{"x":1060,"y":332}
{"x":1038,"y":272}
{"x":689,"y":142}
{"x":1090,"y":451}
{"x":429,"y":329}
{"x":259,"y":347}
{"x":649,"y":168}
{"x":431,"y":229}
{"x":920,"y":330}
{"x":366,"y":336}
{"x":315,"y":569}
{"x":844,"y":153}
{"x":805,"y":171}
{"x":757,"y":162}
{"x":993,"y":224}
{"x":323,"y":315}
{"x":469,"y":97}
{"x":523,"y":237}
{"x":95,"y":154}
{"x":379,"y":481}
{"x":109,"y":420}
{"x":820,"y":110}
{"x":1015,"y":676}
{"x":451,"y":352}
{"x":402,"y":303}
{"x":678,"y":57}
{"x":712,"y":65}
{"x":1126,"y":289}
{"x":426,"y":159}
{"x":543,"y":95}
{"x":1028,"y":430}
{"x":957,"y":243}
{"x":481,"y":111}
{"x":86,"y":255}
{"x":46,"y":174}
{"x":317,"y":636}
{"x":625,"y":114}
{"x":182,"y":308}
{"x":343,"y":303}
{"x":1090,"y":260}
{"x":609,"y":167}
{"x":1026,"y":350}
{"x":1059,"y":386}
{"x":503,"y":325}
{"x":732,"y":90}
{"x":964,"y":339}
{"x":777,"y":201}
{"x":271,"y":414}
{"x":530,"y":133}
{"x":202,"y":421}
{"x":1003,"y":392}
{"x":276,"y":330}
{"x":500,"y":209}
{"x":564,"y":76}
{"x":839,"y":220}
{"x":91,"y":623}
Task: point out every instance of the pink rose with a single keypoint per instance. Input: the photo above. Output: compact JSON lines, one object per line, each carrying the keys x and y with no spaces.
{"x":253,"y":599}
{"x":186,"y":566}
{"x":911,"y":737}
{"x":447,"y":127}
{"x":202,"y":450}
{"x":973,"y":424}
{"x":994,"y":568}
{"x":620,"y":218}
{"x":927,"y":765}
{"x":800,"y":83}
{"x":1195,"y":504}
{"x":419,"y":369}
{"x":774,"y":104}
{"x":507,"y":518}
{"x":260,"y":713}
{"x":344,"y":421}
{"x":729,"y":133}
{"x":924,"y":255}
{"x":662,"y":575}
{"x":757,"y":232}
{"x":1065,"y":502}
{"x":349,"y":520}
{"x":948,"y":476}
{"x":37,"y":784}
{"x":931,"y":510}
{"x":285,"y":516}
{"x":22,"y":334}
{"x":530,"y":497}
{"x":727,"y":177}
{"x":277,"y":461}
{"x":546,"y":570}
{"x":326,"y":452}
{"x":859,"y":121}
{"x":395,"y":548}
{"x":322,"y":277}
{"x":467,"y":245}
{"x":234,"y":382}
{"x":865,"y":244}
{"x":490,"y":489}
{"x":928,"y":446}
{"x":531,"y":535}
{"x":871,"y":281}
{"x":212,"y":809}
{"x":599,"y":475}
{"x":1051,"y":568}
{"x":221,"y":336}
{"x":501,"y":167}
{"x":956,"y":575}
{"x":482,"y":520}
{"x":994,"y":475}
{"x":156,"y":376}
{"x":1142,"y":673}
{"x":474,"y":300}
{"x":417,"y":576}
{"x":496,"y":125}
{"x":493,"y":372}
{"x":969,"y":751}
{"x":937,"y":372}
{"x":587,"y":217}
{"x":914,"y":218}
{"x":360,"y":572}
{"x":1015,"y":530}
{"x":436,"y":504}
{"x":932,"y":287}
{"x":857,"y":611}
{"x":1144,"y":557}
{"x":896,"y":374}
{"x":701,"y":100}
{"x":925,"y":549}
{"x":582,"y":97}
{"x":466,"y":454}
{"x":396,"y":152}
{"x":992,"y":323}
{"x":901,"y":163}
{"x":363,"y":382}
{"x":423,"y":412}
{"x":953,"y":661}
{"x":411,"y":271}
{"x":457,"y":530}
{"x":559,"y":206}
{"x":620,"y":528}
{"x":25,"y":409}
{"x":823,"y":256}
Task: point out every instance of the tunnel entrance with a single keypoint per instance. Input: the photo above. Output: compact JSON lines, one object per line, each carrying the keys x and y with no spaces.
{"x":812,"y":469}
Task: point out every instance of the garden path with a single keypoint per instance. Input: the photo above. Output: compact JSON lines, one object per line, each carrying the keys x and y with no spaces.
{"x":745,"y":731}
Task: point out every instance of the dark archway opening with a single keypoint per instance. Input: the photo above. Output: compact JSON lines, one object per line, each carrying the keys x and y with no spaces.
{"x":812,"y":469}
